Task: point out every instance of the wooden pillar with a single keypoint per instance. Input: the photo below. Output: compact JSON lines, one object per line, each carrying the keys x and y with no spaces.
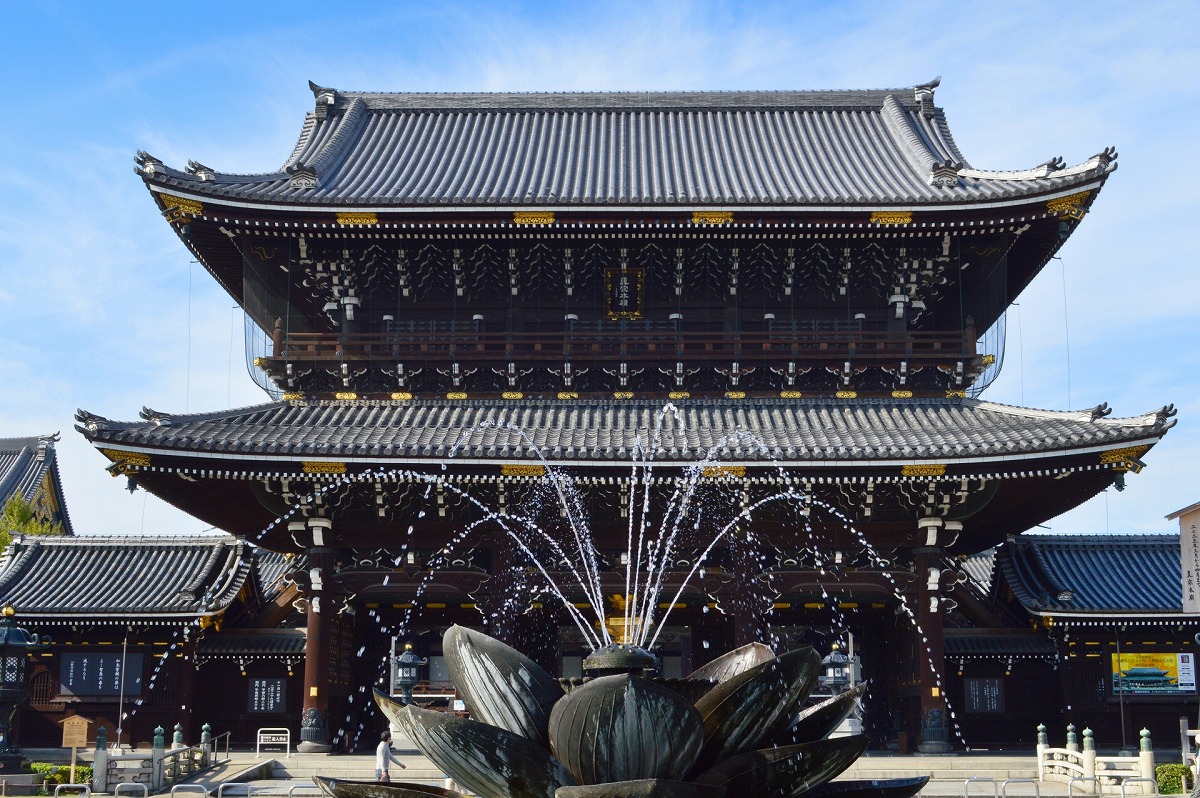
{"x":928,"y":558}
{"x":314,"y":721}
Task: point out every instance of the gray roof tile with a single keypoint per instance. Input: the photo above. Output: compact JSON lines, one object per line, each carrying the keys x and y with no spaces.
{"x":603,"y":431}
{"x":24,"y":465}
{"x":786,"y":148}
{"x":148,"y":577}
{"x":1105,"y":574}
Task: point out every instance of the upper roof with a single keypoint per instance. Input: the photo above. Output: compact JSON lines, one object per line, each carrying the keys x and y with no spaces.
{"x":887,"y":147}
{"x":25,"y":466}
{"x":804,"y":432}
{"x":114,"y":578}
{"x":1094,"y":575}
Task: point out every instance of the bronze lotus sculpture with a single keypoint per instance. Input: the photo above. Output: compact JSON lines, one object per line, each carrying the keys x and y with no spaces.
{"x":620,"y":733}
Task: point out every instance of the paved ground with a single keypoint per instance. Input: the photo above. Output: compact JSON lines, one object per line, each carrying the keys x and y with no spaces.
{"x":974,"y":775}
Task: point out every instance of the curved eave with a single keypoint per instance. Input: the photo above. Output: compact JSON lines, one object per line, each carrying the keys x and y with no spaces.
{"x":205,"y":193}
{"x":1138,"y":618}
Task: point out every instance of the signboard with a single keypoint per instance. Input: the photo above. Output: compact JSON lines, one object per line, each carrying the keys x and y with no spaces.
{"x":623,"y":290}
{"x":75,"y":732}
{"x":984,"y":695}
{"x":1189,"y":543}
{"x":267,"y":695}
{"x":100,"y":675}
{"x":1154,"y":674}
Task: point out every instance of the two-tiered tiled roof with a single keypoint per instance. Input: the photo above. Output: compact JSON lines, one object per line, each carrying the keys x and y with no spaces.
{"x":783,"y":149}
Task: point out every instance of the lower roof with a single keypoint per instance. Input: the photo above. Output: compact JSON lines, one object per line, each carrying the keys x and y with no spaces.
{"x":1095,"y":576}
{"x":114,"y":579}
{"x":800,"y":433}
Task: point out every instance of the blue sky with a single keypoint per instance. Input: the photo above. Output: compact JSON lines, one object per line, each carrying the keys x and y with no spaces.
{"x":101,"y":308}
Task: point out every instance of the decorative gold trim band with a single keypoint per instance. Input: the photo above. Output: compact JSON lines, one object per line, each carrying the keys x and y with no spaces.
{"x":533,"y":217}
{"x":679,"y":395}
{"x":846,"y":394}
{"x":891,"y":217}
{"x":1071,"y":205}
{"x":402,"y":396}
{"x":345,"y":396}
{"x":126,"y":458}
{"x":456,"y":395}
{"x":314,"y":467}
{"x":350,"y":217}
{"x":623,"y":395}
{"x":185,"y":205}
{"x":512,"y":395}
{"x":902,"y":394}
{"x":712,"y":217}
{"x":568,"y":395}
{"x":956,"y":394}
{"x":522,"y":470}
{"x":293,"y":396}
{"x":933,"y":470}
{"x":722,"y":472}
{"x":1122,"y":455}
{"x":791,"y":395}
{"x":735,"y":394}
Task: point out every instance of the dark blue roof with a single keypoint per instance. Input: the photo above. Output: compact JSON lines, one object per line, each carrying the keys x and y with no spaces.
{"x":1116,"y":575}
{"x":29,"y":469}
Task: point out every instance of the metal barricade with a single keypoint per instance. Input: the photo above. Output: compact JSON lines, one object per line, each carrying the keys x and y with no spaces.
{"x":1135,"y":779}
{"x":980,"y":780}
{"x":178,"y":788}
{"x":234,"y":788}
{"x":311,"y":787}
{"x":76,"y":789}
{"x":274,"y":736}
{"x":1071,"y":784}
{"x":1037,"y":786}
{"x":131,"y":788}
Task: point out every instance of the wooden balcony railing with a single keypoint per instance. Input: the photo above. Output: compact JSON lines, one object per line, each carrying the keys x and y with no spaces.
{"x":651,"y":345}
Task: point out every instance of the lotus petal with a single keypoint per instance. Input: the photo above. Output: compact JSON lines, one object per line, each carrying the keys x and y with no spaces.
{"x":731,"y":663}
{"x":742,"y":713}
{"x":817,"y":721}
{"x":624,"y":728}
{"x":870,"y":788}
{"x":499,"y":684}
{"x":488,"y":761}
{"x":643,"y":788}
{"x":788,"y":771}
{"x":346,"y":788}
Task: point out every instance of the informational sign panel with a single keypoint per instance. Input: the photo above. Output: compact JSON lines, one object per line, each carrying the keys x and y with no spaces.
{"x":267,"y":695}
{"x":100,"y":675}
{"x":1154,"y":674}
{"x":1189,"y":544}
{"x":624,"y":289}
{"x":75,"y":732}
{"x":984,"y":695}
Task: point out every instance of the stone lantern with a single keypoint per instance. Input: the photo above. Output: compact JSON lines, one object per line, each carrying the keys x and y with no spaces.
{"x":15,"y":645}
{"x":407,"y":672}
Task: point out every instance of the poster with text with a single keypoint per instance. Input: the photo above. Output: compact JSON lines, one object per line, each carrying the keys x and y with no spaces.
{"x":1153,"y":674}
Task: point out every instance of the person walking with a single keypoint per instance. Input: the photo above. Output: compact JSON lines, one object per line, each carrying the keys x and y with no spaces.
{"x":384,"y":757}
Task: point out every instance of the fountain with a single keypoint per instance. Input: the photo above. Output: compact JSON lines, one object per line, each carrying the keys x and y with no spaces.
{"x":736,"y":723}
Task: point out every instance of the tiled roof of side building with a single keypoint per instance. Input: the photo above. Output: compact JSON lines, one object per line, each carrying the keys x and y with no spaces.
{"x":598,"y":431}
{"x":25,"y":464}
{"x":151,"y":578}
{"x":258,"y":643}
{"x":758,"y":148}
{"x":1097,"y":575}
